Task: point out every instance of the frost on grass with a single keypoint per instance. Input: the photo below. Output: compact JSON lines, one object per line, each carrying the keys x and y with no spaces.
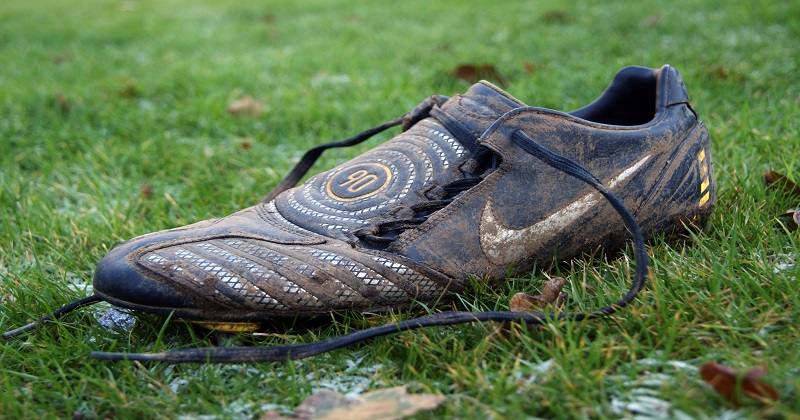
{"x":356,"y":378}
{"x":323,"y":79}
{"x":5,"y":298}
{"x":237,"y":409}
{"x":78,"y":284}
{"x":180,"y":382}
{"x":534,"y":371}
{"x":783,"y":263}
{"x":640,"y":397}
{"x":116,"y":319}
{"x":350,"y":375}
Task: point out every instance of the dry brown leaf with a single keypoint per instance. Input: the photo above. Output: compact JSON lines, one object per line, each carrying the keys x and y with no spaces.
{"x":551,"y":294}
{"x":793,"y":216}
{"x":777,"y":180}
{"x":721,"y":72}
{"x":390,"y":403}
{"x":650,"y":21}
{"x":530,"y":67}
{"x":474,"y":73}
{"x":732,"y":384}
{"x":61,"y":58}
{"x":556,"y":16}
{"x":523,"y":302}
{"x":128,"y":90}
{"x":62,"y":103}
{"x":146,"y":190}
{"x":246,"y":105}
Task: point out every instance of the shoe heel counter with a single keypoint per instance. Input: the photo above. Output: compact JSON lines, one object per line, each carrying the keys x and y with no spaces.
{"x":686,"y":193}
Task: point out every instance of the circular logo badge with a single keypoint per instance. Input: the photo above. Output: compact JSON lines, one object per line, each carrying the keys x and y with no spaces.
{"x":359,"y":181}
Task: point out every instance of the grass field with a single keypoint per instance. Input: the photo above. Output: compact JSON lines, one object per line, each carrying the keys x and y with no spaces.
{"x":114,"y":122}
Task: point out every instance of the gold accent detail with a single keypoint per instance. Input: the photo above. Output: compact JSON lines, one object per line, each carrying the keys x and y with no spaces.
{"x":359,"y":180}
{"x":701,"y":157}
{"x":704,"y":185}
{"x":704,"y":198}
{"x":231,"y":327}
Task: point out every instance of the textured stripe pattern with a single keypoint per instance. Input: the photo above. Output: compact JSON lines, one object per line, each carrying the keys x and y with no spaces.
{"x":260,"y":275}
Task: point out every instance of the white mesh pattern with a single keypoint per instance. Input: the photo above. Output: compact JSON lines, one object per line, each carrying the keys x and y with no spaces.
{"x":228,"y":278}
{"x":277,"y":217}
{"x":316,"y":214}
{"x":299,"y":296}
{"x":425,"y":286}
{"x":156,"y":259}
{"x":438,"y":150}
{"x":426,"y":164}
{"x":250,"y":292}
{"x":256,"y":251}
{"x":201,"y":263}
{"x":387,"y":289}
{"x":456,"y":146}
{"x":344,"y":293}
{"x":290,"y":295}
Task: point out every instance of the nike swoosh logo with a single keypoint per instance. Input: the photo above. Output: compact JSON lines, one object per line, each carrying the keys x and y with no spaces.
{"x":504,"y":245}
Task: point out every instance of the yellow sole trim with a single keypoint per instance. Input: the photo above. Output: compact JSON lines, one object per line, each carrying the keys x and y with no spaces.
{"x":231,"y":327}
{"x":705,"y":198}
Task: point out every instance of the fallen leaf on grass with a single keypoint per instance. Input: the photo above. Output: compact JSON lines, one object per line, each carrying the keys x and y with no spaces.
{"x":530,"y":67}
{"x":777,"y":180}
{"x":390,"y":403}
{"x":794,"y":216}
{"x":650,"y":21}
{"x":60,"y":58}
{"x":551,"y":294}
{"x":62,"y":103}
{"x":246,"y":105}
{"x":556,"y":16}
{"x":146,"y":190}
{"x":732,"y":384}
{"x":522,"y":302}
{"x":128,"y":90}
{"x":721,"y":72}
{"x":473,"y":73}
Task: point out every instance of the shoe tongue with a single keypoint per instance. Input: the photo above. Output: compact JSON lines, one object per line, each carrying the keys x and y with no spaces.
{"x":480,"y":106}
{"x":394,"y":175}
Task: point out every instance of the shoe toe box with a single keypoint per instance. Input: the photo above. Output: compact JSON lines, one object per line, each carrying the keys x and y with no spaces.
{"x":188,"y":271}
{"x":121,"y":281}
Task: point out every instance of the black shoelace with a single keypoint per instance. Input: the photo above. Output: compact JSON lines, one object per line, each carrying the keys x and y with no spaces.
{"x":382,"y":234}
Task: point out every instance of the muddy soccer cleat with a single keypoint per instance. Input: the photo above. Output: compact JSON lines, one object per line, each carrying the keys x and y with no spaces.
{"x":473,"y":185}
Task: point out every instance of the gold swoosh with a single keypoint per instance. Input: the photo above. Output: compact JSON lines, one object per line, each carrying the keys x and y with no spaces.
{"x":504,"y":245}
